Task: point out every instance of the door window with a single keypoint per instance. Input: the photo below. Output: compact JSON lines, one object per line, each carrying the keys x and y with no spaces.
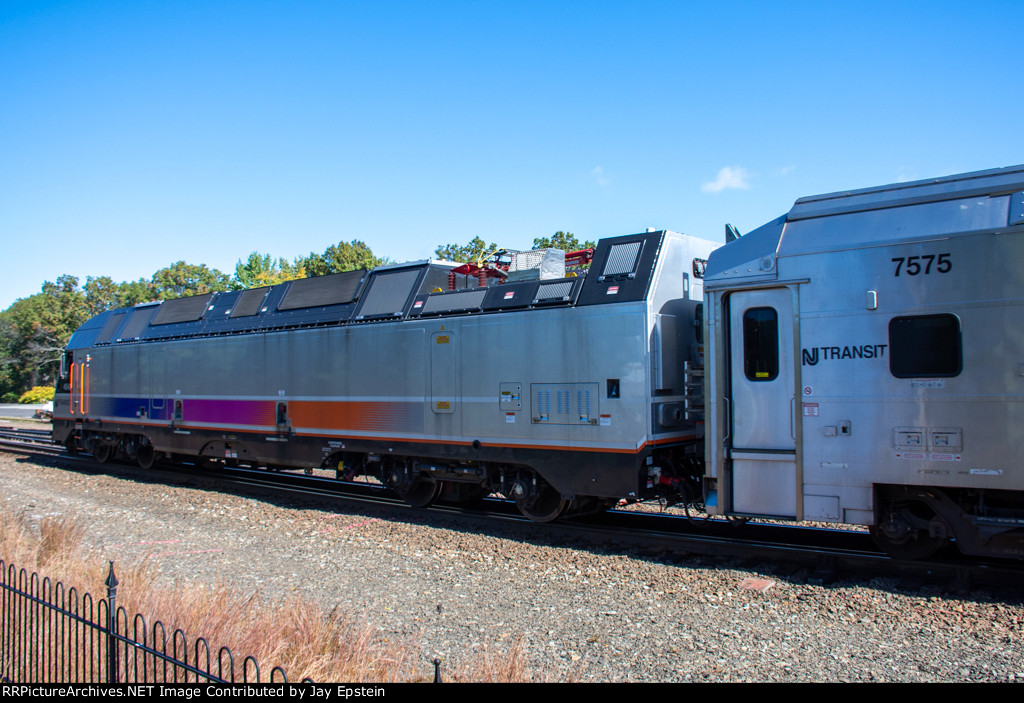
{"x":761,"y":344}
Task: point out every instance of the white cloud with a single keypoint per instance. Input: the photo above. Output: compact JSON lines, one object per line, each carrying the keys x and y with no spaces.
{"x":785,"y":170}
{"x":728,"y":177}
{"x":598,"y":174}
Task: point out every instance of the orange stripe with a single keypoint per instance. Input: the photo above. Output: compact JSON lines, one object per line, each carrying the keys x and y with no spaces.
{"x":348,"y":416}
{"x":85,"y":389}
{"x":668,"y":440}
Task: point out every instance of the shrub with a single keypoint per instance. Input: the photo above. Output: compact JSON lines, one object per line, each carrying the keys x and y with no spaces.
{"x":38,"y":394}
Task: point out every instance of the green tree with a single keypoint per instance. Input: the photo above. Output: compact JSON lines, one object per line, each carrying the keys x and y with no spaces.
{"x":60,"y":308}
{"x":134,"y":292}
{"x":566,"y":241}
{"x":343,"y":256}
{"x":11,"y":373}
{"x":35,"y":330}
{"x":263,"y":270}
{"x":180,"y":280}
{"x":247,"y":275}
{"x":100,"y":294}
{"x":476,"y":251}
{"x":103,"y":294}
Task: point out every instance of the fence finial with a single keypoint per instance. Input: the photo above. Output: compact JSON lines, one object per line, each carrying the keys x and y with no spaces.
{"x":112,"y":655}
{"x":111,"y":582}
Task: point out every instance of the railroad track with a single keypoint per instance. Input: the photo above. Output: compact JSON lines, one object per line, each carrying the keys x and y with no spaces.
{"x":32,"y":441}
{"x":829,"y":552}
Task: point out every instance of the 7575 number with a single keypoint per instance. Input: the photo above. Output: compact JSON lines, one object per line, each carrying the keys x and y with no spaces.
{"x":924,"y":264}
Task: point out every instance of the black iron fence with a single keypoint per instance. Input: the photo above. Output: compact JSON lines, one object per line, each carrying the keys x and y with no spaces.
{"x":50,"y":633}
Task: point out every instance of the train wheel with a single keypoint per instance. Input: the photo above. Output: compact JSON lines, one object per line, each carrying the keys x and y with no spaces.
{"x":901,"y":534}
{"x":416,"y":490}
{"x":147,"y":456}
{"x":103,"y":453}
{"x":544,"y":505}
{"x":422,"y":492}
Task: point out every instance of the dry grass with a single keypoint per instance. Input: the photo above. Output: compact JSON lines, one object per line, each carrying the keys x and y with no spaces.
{"x":507,"y":667}
{"x":294,"y":635}
{"x":37,"y":544}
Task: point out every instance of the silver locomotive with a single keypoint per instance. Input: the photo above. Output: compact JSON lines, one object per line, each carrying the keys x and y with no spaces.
{"x":559,"y":392}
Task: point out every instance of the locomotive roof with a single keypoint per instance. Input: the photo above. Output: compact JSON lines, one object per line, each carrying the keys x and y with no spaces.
{"x":899,"y":212}
{"x":622,"y":271}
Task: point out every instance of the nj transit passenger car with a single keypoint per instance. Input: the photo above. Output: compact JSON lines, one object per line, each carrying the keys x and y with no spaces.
{"x":867,"y":351}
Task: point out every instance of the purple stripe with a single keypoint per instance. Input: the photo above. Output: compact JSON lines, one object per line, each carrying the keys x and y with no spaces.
{"x":232,"y":412}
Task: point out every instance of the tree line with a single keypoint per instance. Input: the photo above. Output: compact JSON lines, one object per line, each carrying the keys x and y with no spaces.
{"x":35,"y":330}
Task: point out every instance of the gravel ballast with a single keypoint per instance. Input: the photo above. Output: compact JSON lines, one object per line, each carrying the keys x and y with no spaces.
{"x":581,"y":612}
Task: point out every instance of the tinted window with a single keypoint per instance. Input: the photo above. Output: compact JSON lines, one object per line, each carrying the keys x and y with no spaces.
{"x":761,"y":344}
{"x":925,"y":345}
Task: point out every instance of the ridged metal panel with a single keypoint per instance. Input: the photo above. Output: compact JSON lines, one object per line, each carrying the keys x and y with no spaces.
{"x":622,"y":259}
{"x":249,"y":302}
{"x":564,"y":403}
{"x":323,"y":290}
{"x":458,"y":301}
{"x":389,"y":292}
{"x":555,"y":290}
{"x":181,"y":310}
{"x":622,"y":269}
{"x":138,"y":322}
{"x":107,"y":333}
{"x":510,"y":295}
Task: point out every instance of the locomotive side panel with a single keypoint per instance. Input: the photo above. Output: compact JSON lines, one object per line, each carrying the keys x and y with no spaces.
{"x":540,"y":388}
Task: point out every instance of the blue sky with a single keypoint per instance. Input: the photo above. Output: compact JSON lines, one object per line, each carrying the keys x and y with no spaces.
{"x":134,"y":134}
